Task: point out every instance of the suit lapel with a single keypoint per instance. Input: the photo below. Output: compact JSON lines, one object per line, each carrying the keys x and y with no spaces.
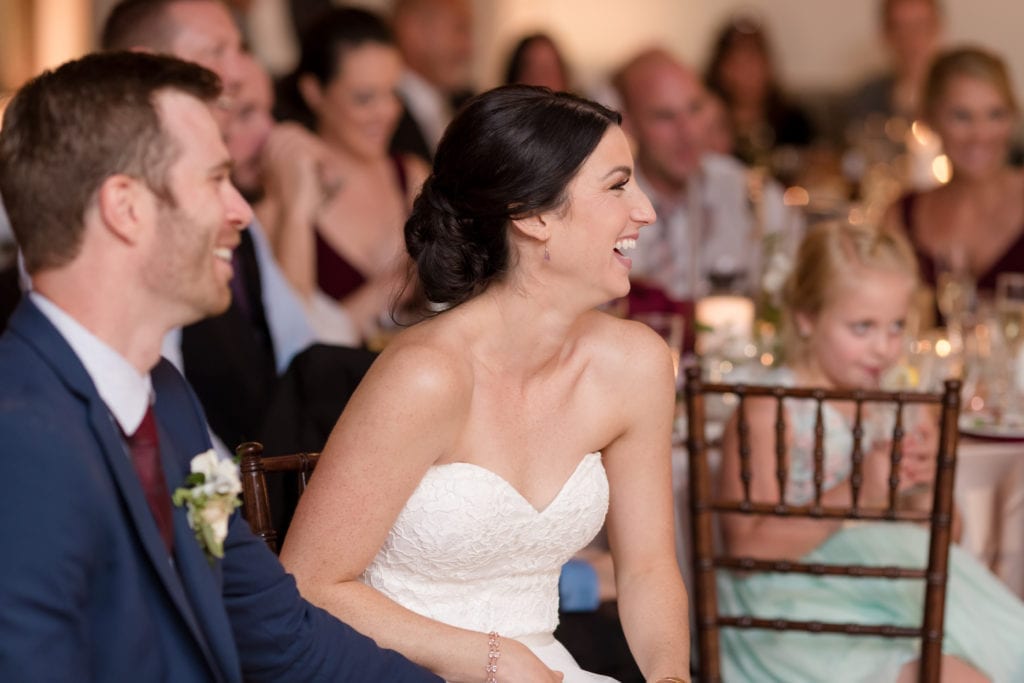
{"x":142,"y":518}
{"x":201,"y":580}
{"x":33,"y":327}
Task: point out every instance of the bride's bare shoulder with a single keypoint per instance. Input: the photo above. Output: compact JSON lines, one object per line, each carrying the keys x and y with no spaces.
{"x":625,"y":345}
{"x":424,"y":359}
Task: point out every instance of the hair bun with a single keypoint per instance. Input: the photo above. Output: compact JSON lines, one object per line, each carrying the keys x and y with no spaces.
{"x":516,"y":146}
{"x":452,"y":265}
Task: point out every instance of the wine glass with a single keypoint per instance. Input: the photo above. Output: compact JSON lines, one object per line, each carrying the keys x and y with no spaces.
{"x":1010,"y":314}
{"x":956,"y":293}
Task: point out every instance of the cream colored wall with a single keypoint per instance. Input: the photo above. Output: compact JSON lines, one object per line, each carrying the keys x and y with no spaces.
{"x":819,"y":44}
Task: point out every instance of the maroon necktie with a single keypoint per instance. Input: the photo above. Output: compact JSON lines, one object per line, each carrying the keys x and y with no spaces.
{"x":145,"y":447}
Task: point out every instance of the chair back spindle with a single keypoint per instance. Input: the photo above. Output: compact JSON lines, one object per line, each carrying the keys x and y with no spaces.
{"x":255,"y":499}
{"x":704,"y":508}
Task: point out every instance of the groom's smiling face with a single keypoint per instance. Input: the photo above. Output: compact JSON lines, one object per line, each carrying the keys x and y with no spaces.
{"x":195,"y":228}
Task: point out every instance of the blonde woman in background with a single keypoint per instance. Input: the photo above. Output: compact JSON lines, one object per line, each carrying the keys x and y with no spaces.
{"x":972,"y":227}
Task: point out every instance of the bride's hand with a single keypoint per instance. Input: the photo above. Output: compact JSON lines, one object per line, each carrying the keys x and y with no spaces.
{"x":518,"y":664}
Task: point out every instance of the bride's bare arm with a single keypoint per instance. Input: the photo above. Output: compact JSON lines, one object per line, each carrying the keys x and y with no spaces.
{"x":404,"y":416}
{"x":652,"y":599}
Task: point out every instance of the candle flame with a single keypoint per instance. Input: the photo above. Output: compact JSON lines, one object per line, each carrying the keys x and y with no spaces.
{"x":942,"y":169}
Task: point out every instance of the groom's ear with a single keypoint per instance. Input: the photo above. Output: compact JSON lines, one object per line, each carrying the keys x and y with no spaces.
{"x":121,"y":204}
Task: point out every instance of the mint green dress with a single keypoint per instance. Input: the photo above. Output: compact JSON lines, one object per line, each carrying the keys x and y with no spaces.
{"x":984,"y":621}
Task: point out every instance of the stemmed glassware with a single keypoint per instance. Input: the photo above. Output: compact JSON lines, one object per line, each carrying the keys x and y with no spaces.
{"x":1009,"y":307}
{"x":956,"y":294}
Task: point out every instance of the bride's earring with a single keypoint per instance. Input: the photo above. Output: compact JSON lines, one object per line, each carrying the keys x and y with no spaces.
{"x":547,"y":254}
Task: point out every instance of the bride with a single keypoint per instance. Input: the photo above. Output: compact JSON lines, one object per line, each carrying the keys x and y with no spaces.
{"x":486,"y":444}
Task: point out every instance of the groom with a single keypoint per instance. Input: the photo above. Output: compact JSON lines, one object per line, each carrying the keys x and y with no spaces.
{"x":117,"y":185}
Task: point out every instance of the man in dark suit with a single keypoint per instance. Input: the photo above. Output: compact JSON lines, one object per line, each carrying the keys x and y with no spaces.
{"x":255,"y":367}
{"x":436,"y":42}
{"x":103,"y":579}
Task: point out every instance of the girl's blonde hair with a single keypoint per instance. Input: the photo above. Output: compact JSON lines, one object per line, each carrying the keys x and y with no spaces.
{"x":828,"y":256}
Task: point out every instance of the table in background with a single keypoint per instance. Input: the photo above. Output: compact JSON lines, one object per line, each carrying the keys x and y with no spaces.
{"x":989,"y":493}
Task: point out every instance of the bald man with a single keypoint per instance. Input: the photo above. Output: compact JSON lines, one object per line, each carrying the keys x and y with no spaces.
{"x":706,"y":228}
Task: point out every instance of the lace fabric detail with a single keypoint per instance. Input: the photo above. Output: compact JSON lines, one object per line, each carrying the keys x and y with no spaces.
{"x":470,"y":551}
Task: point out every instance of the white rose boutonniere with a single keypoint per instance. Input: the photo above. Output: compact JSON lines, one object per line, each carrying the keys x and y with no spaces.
{"x":211,"y":495}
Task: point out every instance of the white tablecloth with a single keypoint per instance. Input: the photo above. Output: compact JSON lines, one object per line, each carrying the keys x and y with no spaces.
{"x":989,"y":491}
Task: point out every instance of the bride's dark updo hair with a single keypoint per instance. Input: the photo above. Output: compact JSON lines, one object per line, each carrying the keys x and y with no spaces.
{"x":510,"y":153}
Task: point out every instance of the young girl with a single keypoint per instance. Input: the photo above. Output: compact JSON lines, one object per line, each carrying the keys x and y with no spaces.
{"x":846,"y":302}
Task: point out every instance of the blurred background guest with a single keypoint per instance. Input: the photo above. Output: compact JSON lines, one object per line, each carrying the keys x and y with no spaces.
{"x":435,"y":38}
{"x":536,"y":60}
{"x":720,"y":137}
{"x":741,"y":71}
{"x":707,"y":228}
{"x":257,"y":368}
{"x":972,"y":228}
{"x":285,"y":189}
{"x":231,"y":360}
{"x":912,"y":30}
{"x":344,"y":89}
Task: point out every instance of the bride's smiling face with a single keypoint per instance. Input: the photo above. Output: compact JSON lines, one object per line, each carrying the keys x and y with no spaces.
{"x":601,"y":219}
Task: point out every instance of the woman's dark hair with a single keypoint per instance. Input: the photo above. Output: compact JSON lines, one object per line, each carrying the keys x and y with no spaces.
{"x":517,"y":60}
{"x":739,"y":32}
{"x":324,"y":42}
{"x":510,"y":152}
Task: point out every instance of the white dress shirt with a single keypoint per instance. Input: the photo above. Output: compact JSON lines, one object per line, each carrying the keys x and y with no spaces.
{"x":125,"y":390}
{"x":711,"y":228}
{"x":427,"y":105}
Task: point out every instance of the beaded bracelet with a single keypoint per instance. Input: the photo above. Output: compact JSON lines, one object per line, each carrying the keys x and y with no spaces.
{"x":493,"y":652}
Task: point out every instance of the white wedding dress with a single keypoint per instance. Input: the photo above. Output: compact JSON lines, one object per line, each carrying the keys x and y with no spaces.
{"x":470,"y":551}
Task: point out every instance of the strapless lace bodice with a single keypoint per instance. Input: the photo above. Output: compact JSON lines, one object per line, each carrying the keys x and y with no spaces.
{"x":470,"y":551}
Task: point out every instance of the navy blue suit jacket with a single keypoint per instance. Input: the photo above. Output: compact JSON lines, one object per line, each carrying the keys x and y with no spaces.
{"x":87,"y":590}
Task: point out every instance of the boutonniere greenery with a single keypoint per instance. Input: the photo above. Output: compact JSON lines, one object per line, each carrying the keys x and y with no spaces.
{"x":210,"y":495}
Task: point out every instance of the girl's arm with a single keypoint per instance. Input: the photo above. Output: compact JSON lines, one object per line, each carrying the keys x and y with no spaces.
{"x":790,"y":537}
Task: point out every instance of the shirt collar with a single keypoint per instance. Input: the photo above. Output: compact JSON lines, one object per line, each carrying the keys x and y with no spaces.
{"x":663,"y":204}
{"x":427,"y":105}
{"x":126,"y":392}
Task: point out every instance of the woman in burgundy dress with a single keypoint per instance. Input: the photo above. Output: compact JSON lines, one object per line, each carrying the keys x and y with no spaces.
{"x":344,"y":89}
{"x":974,"y":225}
